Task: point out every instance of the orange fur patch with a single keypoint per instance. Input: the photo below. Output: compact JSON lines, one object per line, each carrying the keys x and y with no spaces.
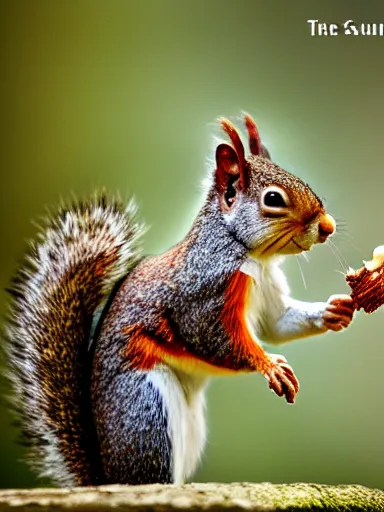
{"x":144,"y":351}
{"x":141,"y":352}
{"x":246,"y":350}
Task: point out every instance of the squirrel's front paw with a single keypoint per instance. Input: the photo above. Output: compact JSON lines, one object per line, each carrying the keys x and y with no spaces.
{"x":339,"y":312}
{"x":281,"y":378}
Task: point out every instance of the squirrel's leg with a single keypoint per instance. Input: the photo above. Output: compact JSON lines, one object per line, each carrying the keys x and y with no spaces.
{"x":132,"y":427}
{"x":246,"y":353}
{"x":181,"y":381}
{"x":156,"y":431}
{"x":302,"y":319}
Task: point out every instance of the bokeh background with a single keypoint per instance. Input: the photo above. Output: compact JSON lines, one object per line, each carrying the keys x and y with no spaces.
{"x":125,"y":94}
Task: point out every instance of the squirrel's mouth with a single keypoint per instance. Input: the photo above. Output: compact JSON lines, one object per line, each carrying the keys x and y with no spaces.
{"x":298,"y":245}
{"x":294,"y":238}
{"x":285,"y":245}
{"x":294,"y":247}
{"x":281,"y":244}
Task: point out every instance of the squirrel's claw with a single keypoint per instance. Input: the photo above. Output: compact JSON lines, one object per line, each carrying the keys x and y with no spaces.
{"x":281,"y":378}
{"x":339,"y":312}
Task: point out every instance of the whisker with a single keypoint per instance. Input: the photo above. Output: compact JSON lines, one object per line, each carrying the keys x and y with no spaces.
{"x":341,"y":229}
{"x":340,"y":254}
{"x":347,"y":238}
{"x":339,"y":220}
{"x":305,"y":256}
{"x":343,"y":232}
{"x":301,"y":272}
{"x":343,"y":236}
{"x":340,"y":272}
{"x":341,"y":226}
{"x":336,"y":252}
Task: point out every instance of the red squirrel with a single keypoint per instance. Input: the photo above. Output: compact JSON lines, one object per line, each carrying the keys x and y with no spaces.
{"x":110,"y":352}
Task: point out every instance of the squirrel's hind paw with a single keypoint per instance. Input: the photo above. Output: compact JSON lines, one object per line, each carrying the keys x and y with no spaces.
{"x":282,"y":379}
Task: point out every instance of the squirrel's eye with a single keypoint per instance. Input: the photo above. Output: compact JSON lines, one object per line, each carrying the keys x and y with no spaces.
{"x":274,"y":199}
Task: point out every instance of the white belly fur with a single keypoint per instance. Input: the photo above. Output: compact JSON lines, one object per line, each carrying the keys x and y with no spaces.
{"x":184,"y":402}
{"x":265,"y":297}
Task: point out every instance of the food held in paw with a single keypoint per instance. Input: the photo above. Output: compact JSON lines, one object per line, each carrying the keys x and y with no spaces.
{"x":367,"y":283}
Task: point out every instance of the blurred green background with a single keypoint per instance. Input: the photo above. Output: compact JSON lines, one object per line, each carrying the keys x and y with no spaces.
{"x":125,"y":94}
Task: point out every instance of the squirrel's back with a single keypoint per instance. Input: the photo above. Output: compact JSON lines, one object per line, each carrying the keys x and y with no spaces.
{"x":80,"y":254}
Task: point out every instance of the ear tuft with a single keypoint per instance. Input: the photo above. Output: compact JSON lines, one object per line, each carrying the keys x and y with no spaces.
{"x":232,"y":133}
{"x":255,"y":145}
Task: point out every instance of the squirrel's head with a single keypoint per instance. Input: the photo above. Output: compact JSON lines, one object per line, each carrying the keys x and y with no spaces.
{"x":266,"y":208}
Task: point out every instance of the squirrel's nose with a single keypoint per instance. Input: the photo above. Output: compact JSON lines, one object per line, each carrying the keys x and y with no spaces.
{"x":327,"y":226}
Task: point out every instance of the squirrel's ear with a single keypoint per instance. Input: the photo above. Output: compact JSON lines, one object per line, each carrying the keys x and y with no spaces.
{"x":228,"y":174}
{"x":227,"y":161}
{"x":238,"y":149}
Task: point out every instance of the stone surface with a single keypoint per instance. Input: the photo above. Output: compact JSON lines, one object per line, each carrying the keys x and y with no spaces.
{"x":206,"y":497}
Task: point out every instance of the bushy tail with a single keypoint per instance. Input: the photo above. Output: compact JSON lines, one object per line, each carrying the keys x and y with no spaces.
{"x":81,"y":253}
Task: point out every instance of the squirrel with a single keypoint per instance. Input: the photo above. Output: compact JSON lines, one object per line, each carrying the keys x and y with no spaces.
{"x":110,"y":352}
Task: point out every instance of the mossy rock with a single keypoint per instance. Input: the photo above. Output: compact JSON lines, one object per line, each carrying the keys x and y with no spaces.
{"x":205,"y":497}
